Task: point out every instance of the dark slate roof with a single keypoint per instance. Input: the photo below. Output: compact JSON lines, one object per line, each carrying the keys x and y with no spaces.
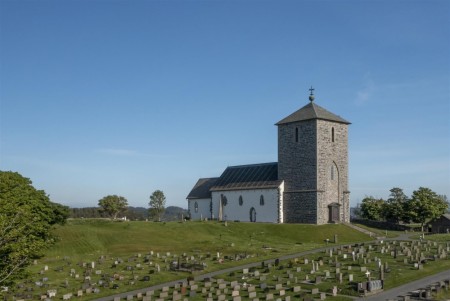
{"x":312,"y":111}
{"x":202,"y":188}
{"x":253,"y":176}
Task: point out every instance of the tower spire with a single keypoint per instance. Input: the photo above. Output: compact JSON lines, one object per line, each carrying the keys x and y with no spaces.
{"x":311,"y":94}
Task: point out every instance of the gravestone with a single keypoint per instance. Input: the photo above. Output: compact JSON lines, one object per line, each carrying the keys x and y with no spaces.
{"x":334,"y":291}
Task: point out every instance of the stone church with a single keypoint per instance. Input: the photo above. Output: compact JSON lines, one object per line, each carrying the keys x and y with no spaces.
{"x":308,"y":184}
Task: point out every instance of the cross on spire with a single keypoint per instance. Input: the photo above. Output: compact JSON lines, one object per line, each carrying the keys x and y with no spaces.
{"x":311,"y":95}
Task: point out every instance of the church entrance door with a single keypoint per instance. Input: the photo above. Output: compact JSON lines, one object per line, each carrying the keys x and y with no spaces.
{"x":333,"y":213}
{"x":252,"y":215}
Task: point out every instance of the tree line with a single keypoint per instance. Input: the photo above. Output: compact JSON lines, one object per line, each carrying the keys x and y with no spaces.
{"x":114,"y":205}
{"x":171,"y":213}
{"x":423,"y":206}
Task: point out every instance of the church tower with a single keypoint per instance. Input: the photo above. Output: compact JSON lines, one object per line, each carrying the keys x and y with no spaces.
{"x":313,"y":162}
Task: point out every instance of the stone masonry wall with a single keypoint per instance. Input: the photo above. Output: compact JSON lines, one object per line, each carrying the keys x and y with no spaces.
{"x":300,"y":207}
{"x":332,"y":154}
{"x":297,"y":160}
{"x":297,"y":165}
{"x":315,"y":170}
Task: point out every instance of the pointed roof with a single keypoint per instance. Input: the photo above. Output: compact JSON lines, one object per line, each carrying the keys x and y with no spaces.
{"x":252,"y":176}
{"x":312,"y":111}
{"x":202,"y":188}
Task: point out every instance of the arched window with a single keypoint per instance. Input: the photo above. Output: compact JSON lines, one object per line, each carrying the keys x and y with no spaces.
{"x":224,"y":200}
{"x":252,"y":215}
{"x":261,"y":200}
{"x":332,"y":134}
{"x":241,"y":201}
{"x":196,"y":207}
{"x":296,"y":134}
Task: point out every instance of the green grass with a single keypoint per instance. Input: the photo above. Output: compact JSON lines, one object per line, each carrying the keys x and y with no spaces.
{"x":435,"y":237}
{"x":380,"y":232}
{"x":86,"y":240}
{"x":100,"y":237}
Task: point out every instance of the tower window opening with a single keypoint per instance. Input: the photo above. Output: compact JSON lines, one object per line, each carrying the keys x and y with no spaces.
{"x":332,"y":172}
{"x":332,"y":134}
{"x":261,"y":200}
{"x":241,"y":201}
{"x":296,"y":134}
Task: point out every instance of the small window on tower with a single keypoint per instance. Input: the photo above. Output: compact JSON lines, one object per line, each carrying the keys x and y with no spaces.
{"x":332,"y":134}
{"x":240,"y":200}
{"x":296,"y":134}
{"x":332,"y":172}
{"x":261,"y":200}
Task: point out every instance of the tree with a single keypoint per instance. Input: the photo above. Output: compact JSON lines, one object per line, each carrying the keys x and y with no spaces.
{"x":394,"y":208}
{"x":444,"y":198}
{"x":372,"y":208}
{"x":26,"y":219}
{"x":425,"y":205}
{"x":113,"y":205}
{"x":157,"y":203}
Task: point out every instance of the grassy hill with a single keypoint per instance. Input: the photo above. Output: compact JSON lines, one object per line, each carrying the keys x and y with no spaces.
{"x":90,"y":237}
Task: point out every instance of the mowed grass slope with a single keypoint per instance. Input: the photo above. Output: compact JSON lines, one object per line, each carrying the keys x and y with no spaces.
{"x":102,"y":237}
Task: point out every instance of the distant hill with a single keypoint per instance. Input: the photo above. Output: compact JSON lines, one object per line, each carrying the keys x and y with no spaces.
{"x":171,"y":213}
{"x":174,"y":213}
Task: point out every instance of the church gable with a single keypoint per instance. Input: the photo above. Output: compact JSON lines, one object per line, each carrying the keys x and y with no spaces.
{"x":202,"y":188}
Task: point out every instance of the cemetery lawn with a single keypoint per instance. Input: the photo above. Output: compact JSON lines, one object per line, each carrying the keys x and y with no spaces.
{"x":87,"y":240}
{"x":435,"y":237}
{"x":134,"y":255}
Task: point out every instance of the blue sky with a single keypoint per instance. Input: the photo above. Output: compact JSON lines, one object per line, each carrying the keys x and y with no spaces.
{"x":126,"y":97}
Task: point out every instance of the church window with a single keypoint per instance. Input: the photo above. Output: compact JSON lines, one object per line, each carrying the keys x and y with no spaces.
{"x":296,"y":134}
{"x":240,"y":200}
{"x":196,"y":207}
{"x":332,"y":134}
{"x":224,"y":200}
{"x":252,"y":215}
{"x":332,"y":172}
{"x":261,"y":200}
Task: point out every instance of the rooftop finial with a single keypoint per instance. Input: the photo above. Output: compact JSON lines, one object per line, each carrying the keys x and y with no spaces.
{"x":311,"y":94}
